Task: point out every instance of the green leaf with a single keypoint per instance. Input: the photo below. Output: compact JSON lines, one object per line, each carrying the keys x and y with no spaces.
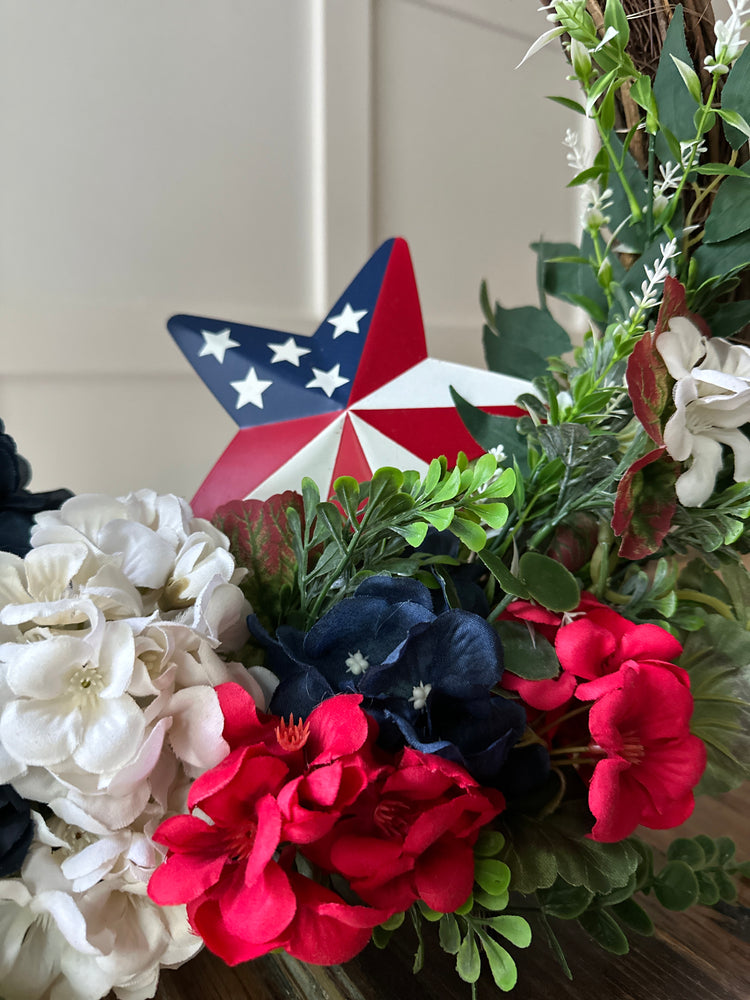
{"x":469,"y":532}
{"x":489,"y":843}
{"x":491,"y":875}
{"x":503,"y":486}
{"x":510,"y":584}
{"x":730,"y":211}
{"x":468,"y":961}
{"x":346,"y":489}
{"x":414,"y":534}
{"x":614,"y":17}
{"x":676,"y":886}
{"x":494,"y":514}
{"x":521,"y":341}
{"x":689,"y":78}
{"x":725,"y":847}
{"x":548,"y":582}
{"x":719,"y":169}
{"x":729,"y":317}
{"x":604,"y":929}
{"x":450,"y":936}
{"x":490,"y":902}
{"x":384,"y":483}
{"x":708,"y":889}
{"x":527,"y":656}
{"x":448,"y":487}
{"x":735,"y":96}
{"x":502,"y":966}
{"x":440,"y":518}
{"x":514,"y":928}
{"x":537,"y":851}
{"x":643,"y":95}
{"x":735,"y":120}
{"x":723,"y":258}
{"x":490,"y":431}
{"x":689,"y":851}
{"x":634,"y":916}
{"x":262,"y":538}
{"x":566,"y":102}
{"x":573,"y":282}
{"x":717,"y":658}
{"x":676,"y":104}
{"x":726,"y":886}
{"x":565,"y":901}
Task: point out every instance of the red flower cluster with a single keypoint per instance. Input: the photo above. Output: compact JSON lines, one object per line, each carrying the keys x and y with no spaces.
{"x":398,"y":829}
{"x":639,"y":724}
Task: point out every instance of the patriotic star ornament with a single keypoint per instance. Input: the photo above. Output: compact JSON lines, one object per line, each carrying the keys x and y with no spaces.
{"x":358,"y":394}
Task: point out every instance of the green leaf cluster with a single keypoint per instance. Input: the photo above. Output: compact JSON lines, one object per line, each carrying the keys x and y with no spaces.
{"x":337,"y":545}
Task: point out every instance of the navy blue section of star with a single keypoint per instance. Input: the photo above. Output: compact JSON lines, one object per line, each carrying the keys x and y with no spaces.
{"x":266,"y":391}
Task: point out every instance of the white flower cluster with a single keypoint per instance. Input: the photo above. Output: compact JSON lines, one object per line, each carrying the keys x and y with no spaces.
{"x":109,"y":636}
{"x":594,"y":203}
{"x":712,"y":402}
{"x":729,"y":43}
{"x":650,"y":293}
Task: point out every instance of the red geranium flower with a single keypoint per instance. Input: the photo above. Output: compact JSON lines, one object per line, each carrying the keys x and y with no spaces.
{"x":595,"y":642}
{"x":641,"y":720}
{"x":410,"y":835}
{"x":287,"y":783}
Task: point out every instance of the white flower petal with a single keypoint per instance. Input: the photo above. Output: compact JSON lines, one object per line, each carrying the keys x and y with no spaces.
{"x":696,"y":485}
{"x":681,"y":346}
{"x":113,"y":729}
{"x":41,"y":670}
{"x":197,"y":727}
{"x":147,"y":559}
{"x":40,"y":732}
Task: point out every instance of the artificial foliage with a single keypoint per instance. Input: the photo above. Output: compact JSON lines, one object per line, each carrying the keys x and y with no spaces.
{"x":452,"y":698}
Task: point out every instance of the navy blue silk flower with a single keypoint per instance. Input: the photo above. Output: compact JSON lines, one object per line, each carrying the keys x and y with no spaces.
{"x":16,"y":830}
{"x":425,"y":677}
{"x":17,"y":504}
{"x":434,"y":694}
{"x":359,"y":632}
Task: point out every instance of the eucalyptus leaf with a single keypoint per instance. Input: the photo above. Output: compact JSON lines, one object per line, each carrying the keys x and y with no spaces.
{"x":604,"y":929}
{"x":549,"y":582}
{"x":527,"y":656}
{"x":676,"y":886}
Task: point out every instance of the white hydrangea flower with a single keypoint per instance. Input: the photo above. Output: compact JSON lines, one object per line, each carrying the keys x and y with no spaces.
{"x":68,"y":699}
{"x":110,"y":634}
{"x":165,"y":552}
{"x":46,"y":948}
{"x":712,"y":401}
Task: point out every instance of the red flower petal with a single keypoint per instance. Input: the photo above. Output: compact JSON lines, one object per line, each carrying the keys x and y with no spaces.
{"x":544,"y":695}
{"x":326,"y":930}
{"x":338,"y":727}
{"x":183,"y":877}
{"x":444,"y":875}
{"x":260,"y":911}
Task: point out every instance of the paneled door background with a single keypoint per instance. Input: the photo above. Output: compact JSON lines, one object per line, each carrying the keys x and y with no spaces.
{"x":241,"y":159}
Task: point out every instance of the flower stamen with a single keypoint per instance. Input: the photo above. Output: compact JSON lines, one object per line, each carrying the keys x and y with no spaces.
{"x":292,"y":735}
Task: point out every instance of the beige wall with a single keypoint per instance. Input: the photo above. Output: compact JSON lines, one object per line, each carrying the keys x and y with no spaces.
{"x":241,"y":159}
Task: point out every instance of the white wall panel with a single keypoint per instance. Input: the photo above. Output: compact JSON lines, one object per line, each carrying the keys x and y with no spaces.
{"x":240,"y":159}
{"x":468,"y":154}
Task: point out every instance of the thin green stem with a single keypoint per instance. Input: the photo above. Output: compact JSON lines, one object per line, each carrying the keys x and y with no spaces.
{"x":635,"y":209}
{"x":698,"y":597}
{"x":705,"y":110}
